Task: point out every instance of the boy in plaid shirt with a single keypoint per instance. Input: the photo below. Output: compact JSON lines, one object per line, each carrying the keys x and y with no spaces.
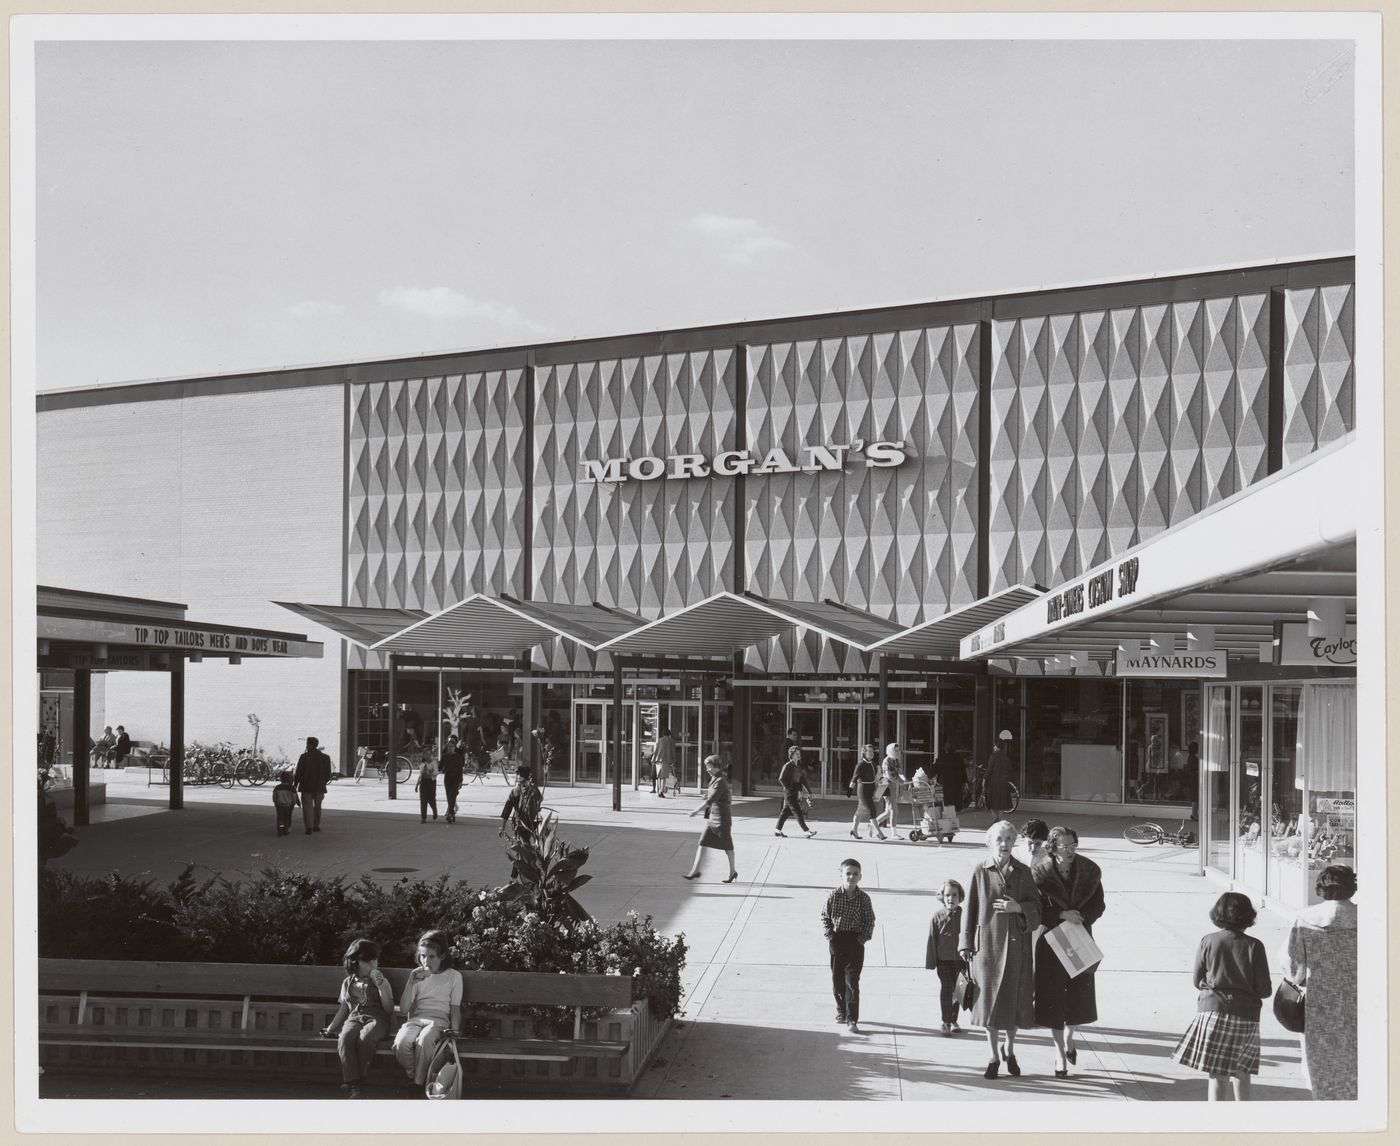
{"x":848,"y":919}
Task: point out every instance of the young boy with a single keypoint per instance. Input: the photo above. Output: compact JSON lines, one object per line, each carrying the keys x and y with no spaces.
{"x":941,"y":952}
{"x":284,"y":799}
{"x":848,"y":919}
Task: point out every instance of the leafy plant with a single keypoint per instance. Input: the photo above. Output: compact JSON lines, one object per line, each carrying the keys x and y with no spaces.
{"x":56,"y":838}
{"x":545,"y":874}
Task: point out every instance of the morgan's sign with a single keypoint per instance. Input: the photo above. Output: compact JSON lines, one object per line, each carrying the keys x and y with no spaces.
{"x":732,"y":463}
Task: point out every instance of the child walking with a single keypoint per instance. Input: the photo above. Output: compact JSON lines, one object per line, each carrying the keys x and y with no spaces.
{"x":431,"y":1006}
{"x":1232,"y":978}
{"x":848,"y":920}
{"x":362,"y":1023}
{"x":941,"y":952}
{"x":284,"y":799}
{"x":427,"y":789}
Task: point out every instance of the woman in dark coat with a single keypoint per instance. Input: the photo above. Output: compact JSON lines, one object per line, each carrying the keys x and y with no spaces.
{"x":717,"y":831}
{"x":950,"y":771}
{"x":863,"y":784}
{"x":1003,"y":911}
{"x":996,"y":787}
{"x":1071,"y":891}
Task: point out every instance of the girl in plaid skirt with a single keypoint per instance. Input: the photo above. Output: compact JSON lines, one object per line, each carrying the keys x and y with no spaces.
{"x":1232,"y":978}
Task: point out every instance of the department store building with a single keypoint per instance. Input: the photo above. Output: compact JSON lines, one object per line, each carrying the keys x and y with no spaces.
{"x":814,"y":523}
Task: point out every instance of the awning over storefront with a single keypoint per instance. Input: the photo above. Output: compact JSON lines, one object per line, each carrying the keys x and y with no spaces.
{"x":498,"y":626}
{"x":102,"y":631}
{"x":1231,"y":578}
{"x":720,"y":625}
{"x":359,"y":625}
{"x":833,"y":619}
{"x":941,"y":636}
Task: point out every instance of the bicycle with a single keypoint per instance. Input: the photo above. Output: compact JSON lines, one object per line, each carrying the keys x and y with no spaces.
{"x":980,"y":796}
{"x":1149,"y":833}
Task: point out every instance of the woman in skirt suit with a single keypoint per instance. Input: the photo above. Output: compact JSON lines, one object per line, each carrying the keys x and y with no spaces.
{"x":717,"y":831}
{"x":863,"y":785}
{"x":1003,"y":910}
{"x":1071,"y":891}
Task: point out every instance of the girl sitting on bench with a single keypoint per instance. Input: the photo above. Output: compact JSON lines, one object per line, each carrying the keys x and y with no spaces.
{"x":431,"y":1006}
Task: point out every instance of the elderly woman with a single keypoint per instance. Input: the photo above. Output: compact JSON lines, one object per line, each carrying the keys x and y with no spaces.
{"x":1071,"y":891}
{"x":1003,"y":909}
{"x":1320,"y":957}
{"x":717,"y":833}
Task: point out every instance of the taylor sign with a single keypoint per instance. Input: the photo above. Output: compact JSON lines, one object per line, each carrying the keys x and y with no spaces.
{"x":732,"y":463}
{"x":1297,"y":648}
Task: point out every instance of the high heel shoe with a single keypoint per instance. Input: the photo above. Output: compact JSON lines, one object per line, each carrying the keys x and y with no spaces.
{"x":696,"y":875}
{"x":1062,"y":1073}
{"x":855,"y":835}
{"x":1073,"y":1056}
{"x":1012,"y":1066}
{"x":991,"y":1071}
{"x":732,"y":877}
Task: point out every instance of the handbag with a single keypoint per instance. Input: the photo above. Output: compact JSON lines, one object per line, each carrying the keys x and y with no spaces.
{"x":965,"y":989}
{"x":1289,"y":1007}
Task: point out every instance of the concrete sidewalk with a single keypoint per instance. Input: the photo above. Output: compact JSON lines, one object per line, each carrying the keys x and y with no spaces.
{"x":758,"y":1009}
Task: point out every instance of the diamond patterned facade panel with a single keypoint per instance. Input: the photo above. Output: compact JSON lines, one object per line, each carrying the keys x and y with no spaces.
{"x":436,"y":497}
{"x":897,"y":541}
{"x":647,"y":546}
{"x":1319,"y":372}
{"x":1108,"y":427}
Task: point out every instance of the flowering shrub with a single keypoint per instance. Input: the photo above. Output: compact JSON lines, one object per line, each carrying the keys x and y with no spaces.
{"x":277,"y":916}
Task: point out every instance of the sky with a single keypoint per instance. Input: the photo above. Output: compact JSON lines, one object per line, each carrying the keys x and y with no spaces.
{"x":208,"y":208}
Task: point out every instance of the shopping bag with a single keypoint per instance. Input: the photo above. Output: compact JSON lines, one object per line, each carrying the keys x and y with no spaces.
{"x":445,"y":1072}
{"x":1075,"y":947}
{"x":1289,"y":1009}
{"x":965,"y":989}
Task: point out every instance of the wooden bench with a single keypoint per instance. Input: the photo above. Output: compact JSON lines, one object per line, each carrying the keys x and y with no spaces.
{"x":213,"y":1018}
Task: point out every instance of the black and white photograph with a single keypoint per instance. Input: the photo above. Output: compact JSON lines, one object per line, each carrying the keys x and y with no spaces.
{"x":824,"y":567}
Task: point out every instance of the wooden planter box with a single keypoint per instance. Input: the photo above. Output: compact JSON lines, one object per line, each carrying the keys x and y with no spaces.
{"x":221,"y":1020}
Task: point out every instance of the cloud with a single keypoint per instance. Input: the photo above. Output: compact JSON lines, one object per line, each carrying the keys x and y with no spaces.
{"x":444,"y":302}
{"x":739,"y":240}
{"x":314,"y":308}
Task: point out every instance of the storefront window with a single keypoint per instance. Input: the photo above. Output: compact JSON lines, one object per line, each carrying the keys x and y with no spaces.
{"x":1219,"y":734}
{"x":768,"y":732}
{"x":1073,"y":740}
{"x":1327,"y":745}
{"x":1163,"y":751}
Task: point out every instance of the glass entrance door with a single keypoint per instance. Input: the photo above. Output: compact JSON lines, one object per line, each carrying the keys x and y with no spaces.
{"x":918,"y":729}
{"x":1219,"y":759}
{"x":590,"y":740}
{"x":809,"y":721}
{"x":684,"y":720}
{"x":1253,"y":791}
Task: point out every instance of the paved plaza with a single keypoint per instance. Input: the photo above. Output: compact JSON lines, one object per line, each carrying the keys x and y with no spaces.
{"x":757,"y":1019}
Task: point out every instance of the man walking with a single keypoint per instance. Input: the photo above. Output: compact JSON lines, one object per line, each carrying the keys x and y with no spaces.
{"x":312,"y":776}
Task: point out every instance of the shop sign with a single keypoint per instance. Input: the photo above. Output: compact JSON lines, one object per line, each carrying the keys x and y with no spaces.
{"x":1297,"y":648}
{"x":131,"y":662}
{"x":1335,"y":805}
{"x":732,"y":463}
{"x":169,"y":638}
{"x":1189,"y":665}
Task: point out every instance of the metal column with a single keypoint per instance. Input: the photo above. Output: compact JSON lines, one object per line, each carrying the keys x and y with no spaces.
{"x":82,"y":754}
{"x":617,"y":734}
{"x":393,"y":762}
{"x":177,"y":731}
{"x":885,"y":736}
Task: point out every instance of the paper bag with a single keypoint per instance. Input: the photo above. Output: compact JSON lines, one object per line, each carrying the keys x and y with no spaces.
{"x":1075,"y":947}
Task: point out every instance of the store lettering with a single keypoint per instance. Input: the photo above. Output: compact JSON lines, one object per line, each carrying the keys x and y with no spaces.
{"x":1341,"y":651}
{"x":1065,"y":604}
{"x":1128,"y":577}
{"x":732,"y":463}
{"x":1101,"y":589}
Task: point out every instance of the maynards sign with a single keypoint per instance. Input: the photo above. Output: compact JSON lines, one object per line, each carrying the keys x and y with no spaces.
{"x":732,"y":463}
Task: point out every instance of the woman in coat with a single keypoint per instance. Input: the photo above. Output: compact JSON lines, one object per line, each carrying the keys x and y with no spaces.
{"x":1320,"y":957}
{"x":891,"y":776}
{"x":1003,"y":909}
{"x":950,"y":771}
{"x":863,"y":785}
{"x":996,"y":790}
{"x":1071,"y":891}
{"x":717,"y":831}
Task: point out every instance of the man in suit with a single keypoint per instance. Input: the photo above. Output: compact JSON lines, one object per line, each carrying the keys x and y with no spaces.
{"x":122,"y":749}
{"x":312,"y":776}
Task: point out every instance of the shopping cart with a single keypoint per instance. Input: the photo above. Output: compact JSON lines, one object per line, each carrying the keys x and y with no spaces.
{"x":935,"y":821}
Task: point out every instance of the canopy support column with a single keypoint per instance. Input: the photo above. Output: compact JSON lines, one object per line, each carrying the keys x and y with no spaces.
{"x":886,"y":734}
{"x":177,"y":732}
{"x":82,"y":724}
{"x":617,"y":734}
{"x":743,"y":732}
{"x":391,"y":766}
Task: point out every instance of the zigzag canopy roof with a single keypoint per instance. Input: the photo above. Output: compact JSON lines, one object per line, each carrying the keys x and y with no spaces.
{"x":360,"y":626}
{"x":940,"y":636}
{"x":484,"y":626}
